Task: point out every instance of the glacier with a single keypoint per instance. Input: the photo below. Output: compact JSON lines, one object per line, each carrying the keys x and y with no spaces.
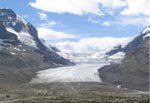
{"x":77,"y":73}
{"x":85,"y":70}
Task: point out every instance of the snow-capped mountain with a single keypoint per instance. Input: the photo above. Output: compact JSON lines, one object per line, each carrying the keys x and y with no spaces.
{"x":132,"y":44}
{"x":133,"y":71}
{"x":22,"y":50}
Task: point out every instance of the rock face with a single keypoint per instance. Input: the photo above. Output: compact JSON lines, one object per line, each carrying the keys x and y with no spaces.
{"x":131,"y":45}
{"x":133,"y":72}
{"x":21,"y":51}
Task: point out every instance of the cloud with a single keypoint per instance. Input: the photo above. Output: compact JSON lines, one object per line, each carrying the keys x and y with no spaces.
{"x":113,"y":4}
{"x":49,"y":34}
{"x":97,"y":7}
{"x":106,"y":23}
{"x":43,"y":16}
{"x":90,"y":19}
{"x":91,"y":45}
{"x":77,"y":7}
{"x":137,"y":7}
{"x":136,"y":21}
{"x":51,"y":23}
{"x":48,"y":24}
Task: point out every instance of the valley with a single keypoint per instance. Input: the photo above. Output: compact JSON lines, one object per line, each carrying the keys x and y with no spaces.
{"x":90,"y":70}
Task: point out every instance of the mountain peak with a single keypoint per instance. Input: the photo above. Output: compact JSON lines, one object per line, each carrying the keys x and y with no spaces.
{"x":15,"y":26}
{"x":12,"y":20}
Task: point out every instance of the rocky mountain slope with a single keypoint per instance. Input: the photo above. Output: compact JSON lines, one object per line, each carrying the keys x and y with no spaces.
{"x":131,"y":45}
{"x":133,"y":71}
{"x":22,"y":53}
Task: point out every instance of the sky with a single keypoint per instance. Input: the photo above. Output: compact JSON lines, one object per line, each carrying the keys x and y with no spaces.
{"x":72,"y":21}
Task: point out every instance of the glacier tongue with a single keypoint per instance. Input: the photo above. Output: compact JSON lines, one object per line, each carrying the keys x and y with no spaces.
{"x":78,"y":73}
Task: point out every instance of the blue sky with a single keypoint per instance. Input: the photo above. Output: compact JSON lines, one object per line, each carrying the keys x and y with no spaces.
{"x":83,"y":25}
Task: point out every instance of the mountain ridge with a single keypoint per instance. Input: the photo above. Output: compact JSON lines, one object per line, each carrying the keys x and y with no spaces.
{"x":21,"y":51}
{"x":131,"y":45}
{"x":133,"y":71}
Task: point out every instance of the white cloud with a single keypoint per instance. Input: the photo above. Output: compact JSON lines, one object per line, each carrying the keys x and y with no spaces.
{"x":91,"y":45}
{"x":106,"y":23}
{"x":137,"y":7}
{"x":48,"y":24}
{"x":81,"y":7}
{"x":113,"y":4}
{"x":124,"y":21}
{"x":49,"y":34}
{"x":43,"y":16}
{"x":51,"y":23}
{"x":90,"y":19}
{"x":78,"y":7}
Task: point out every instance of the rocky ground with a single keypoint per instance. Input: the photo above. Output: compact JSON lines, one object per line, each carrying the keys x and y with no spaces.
{"x":70,"y":93}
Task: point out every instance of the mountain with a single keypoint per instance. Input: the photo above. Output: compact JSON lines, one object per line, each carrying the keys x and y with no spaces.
{"x":131,"y":45}
{"x":22,"y":53}
{"x":133,"y":71}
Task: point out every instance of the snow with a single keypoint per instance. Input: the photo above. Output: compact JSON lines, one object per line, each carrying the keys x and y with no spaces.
{"x":12,"y":53}
{"x":119,"y":55}
{"x":24,"y":37}
{"x":87,"y":62}
{"x":147,"y":29}
{"x":94,"y":58}
{"x":24,"y":50}
{"x":6,"y":44}
{"x":147,"y":35}
{"x":119,"y":86}
{"x":21,"y":19}
{"x":86,"y":69}
{"x":17,"y":49}
{"x":78,"y":73}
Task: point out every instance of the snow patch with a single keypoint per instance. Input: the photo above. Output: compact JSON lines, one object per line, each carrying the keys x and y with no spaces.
{"x":17,"y":49}
{"x":147,"y":35}
{"x":12,"y":53}
{"x":119,"y":86}
{"x":24,"y":50}
{"x":21,"y":19}
{"x":24,"y":37}
{"x":146,"y":30}
{"x":119,"y":55}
